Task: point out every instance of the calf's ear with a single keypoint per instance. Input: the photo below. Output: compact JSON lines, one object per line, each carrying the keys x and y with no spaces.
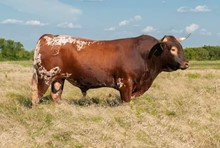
{"x":156,"y":50}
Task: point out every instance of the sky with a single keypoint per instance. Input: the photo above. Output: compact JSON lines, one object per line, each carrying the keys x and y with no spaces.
{"x":26,"y":20}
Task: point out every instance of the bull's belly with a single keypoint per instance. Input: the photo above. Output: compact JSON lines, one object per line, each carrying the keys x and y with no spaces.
{"x":91,"y":83}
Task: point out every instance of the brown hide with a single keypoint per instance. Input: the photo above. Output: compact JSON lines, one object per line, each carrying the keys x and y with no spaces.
{"x":129,"y":65}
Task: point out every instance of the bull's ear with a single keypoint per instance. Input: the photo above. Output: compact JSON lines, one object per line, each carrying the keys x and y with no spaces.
{"x":156,"y":50}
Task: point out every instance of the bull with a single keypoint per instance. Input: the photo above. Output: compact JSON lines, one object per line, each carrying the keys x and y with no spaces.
{"x":128,"y":65}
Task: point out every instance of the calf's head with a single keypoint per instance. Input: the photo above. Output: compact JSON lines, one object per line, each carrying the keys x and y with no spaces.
{"x":170,"y":53}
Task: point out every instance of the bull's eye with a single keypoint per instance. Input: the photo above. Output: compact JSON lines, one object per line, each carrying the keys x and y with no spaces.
{"x":174,"y":50}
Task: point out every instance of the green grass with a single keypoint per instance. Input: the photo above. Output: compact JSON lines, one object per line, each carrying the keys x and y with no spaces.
{"x":193,"y":75}
{"x":181,"y":109}
{"x":22,"y":63}
{"x":204,"y":64}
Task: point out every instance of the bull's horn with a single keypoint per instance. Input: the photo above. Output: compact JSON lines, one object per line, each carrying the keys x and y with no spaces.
{"x":183,"y":38}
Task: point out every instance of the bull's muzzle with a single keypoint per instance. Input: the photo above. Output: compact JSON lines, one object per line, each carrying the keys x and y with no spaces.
{"x":184,"y":65}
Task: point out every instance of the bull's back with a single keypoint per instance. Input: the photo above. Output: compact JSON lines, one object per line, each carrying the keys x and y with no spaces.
{"x":85,"y":57}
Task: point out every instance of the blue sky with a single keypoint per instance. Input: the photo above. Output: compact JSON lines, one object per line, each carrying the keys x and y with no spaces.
{"x":26,"y":20}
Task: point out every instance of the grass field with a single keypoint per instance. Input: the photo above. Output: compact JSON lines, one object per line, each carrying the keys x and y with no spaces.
{"x":180,"y":110}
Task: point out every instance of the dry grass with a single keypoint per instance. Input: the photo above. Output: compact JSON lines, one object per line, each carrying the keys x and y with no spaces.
{"x":180,"y":110}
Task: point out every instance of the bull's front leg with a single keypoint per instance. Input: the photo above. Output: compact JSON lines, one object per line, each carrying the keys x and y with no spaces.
{"x":138,"y":93}
{"x":125,"y":88}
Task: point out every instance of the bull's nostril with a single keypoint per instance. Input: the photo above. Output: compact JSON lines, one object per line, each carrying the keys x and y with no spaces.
{"x":187,"y":64}
{"x":184,"y":65}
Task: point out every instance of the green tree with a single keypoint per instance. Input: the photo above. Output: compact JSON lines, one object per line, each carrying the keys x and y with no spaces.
{"x":11,"y":50}
{"x":203,"y":53}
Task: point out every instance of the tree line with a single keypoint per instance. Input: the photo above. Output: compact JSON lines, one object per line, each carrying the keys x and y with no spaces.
{"x":203,"y":53}
{"x":12,"y":50}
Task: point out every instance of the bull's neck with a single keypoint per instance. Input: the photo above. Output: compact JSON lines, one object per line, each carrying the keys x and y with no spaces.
{"x":154,"y":67}
{"x":155,"y":64}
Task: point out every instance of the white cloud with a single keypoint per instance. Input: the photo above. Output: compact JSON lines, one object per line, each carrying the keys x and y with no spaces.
{"x":34,"y":23}
{"x":12,"y":21}
{"x":184,"y":9}
{"x":110,"y":29}
{"x":199,"y":8}
{"x":22,"y":22}
{"x":205,"y":32}
{"x":69,"y":25}
{"x":124,"y":23}
{"x":137,"y":18}
{"x":131,"y":20}
{"x":53,"y":10}
{"x":177,"y":31}
{"x":149,"y":29}
{"x":191,"y":28}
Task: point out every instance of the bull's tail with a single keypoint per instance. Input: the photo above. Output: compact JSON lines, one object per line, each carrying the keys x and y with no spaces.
{"x":34,"y":83}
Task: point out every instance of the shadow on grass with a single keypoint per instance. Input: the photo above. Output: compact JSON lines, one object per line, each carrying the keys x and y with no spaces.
{"x":23,"y":100}
{"x":26,"y":101}
{"x":46,"y":100}
{"x":112,"y":102}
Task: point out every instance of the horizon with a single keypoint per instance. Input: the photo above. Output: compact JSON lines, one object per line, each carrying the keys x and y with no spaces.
{"x":25,"y":22}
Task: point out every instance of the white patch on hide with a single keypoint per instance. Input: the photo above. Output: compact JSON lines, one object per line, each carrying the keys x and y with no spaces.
{"x":62,"y":40}
{"x":43,"y":73}
{"x":66,"y":75}
{"x":81,"y":44}
{"x":59,"y":40}
{"x":48,"y":75}
{"x":37,"y":55}
{"x":120,"y":83}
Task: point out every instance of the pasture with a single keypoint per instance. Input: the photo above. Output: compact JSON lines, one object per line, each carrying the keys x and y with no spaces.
{"x":180,"y":110}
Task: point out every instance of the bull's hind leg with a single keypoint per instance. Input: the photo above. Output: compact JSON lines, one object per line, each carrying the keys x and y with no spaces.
{"x":57,"y":89}
{"x":39,"y":87}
